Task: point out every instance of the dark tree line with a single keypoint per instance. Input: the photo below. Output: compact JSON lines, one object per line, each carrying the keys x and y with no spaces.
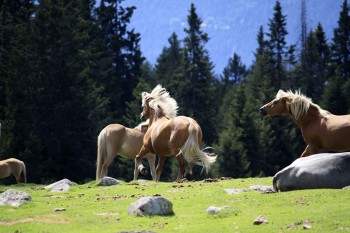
{"x":69,"y":68}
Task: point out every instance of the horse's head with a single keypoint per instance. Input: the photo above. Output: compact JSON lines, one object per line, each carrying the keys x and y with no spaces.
{"x":158,"y":104}
{"x":278,"y":106}
{"x":146,"y":110}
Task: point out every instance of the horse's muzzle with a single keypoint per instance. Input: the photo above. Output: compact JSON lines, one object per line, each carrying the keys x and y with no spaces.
{"x":263,"y":111}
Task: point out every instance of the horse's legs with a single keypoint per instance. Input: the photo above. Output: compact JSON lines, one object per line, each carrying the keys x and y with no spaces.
{"x":138,"y":157}
{"x":136,"y":170}
{"x":189,"y":169}
{"x":180,"y":160}
{"x":152,"y":165}
{"x":309,"y":150}
{"x":106,"y":163}
{"x":160,"y":167}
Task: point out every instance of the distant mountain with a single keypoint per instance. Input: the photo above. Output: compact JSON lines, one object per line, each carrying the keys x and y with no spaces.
{"x":232,"y":25}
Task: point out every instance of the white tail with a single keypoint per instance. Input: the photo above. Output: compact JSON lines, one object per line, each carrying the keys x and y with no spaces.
{"x":193,"y":154}
{"x":101,"y":153}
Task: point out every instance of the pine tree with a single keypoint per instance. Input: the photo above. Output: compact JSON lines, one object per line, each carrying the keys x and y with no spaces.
{"x":314,"y":62}
{"x":198,"y":91}
{"x":55,"y":102}
{"x":233,"y":160}
{"x":280,"y":54}
{"x":169,"y":70}
{"x":124,"y":49}
{"x":341,"y":41}
{"x":235,"y":71}
{"x":17,"y":61}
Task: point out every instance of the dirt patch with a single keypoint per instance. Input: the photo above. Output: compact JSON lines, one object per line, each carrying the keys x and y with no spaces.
{"x":108,"y":214}
{"x":209,"y":180}
{"x":49,"y":218}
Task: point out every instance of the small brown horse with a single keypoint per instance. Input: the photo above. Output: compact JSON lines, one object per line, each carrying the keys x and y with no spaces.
{"x":171,"y":135}
{"x":321,"y":130}
{"x":15,"y":167}
{"x":117,"y":139}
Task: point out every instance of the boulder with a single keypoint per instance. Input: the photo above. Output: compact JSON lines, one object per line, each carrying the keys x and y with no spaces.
{"x":148,"y":206}
{"x":60,"y":186}
{"x":108,"y":181}
{"x":14,"y":198}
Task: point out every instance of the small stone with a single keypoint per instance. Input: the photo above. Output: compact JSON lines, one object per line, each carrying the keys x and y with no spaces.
{"x":215,"y":210}
{"x":235,"y":191}
{"x":60,"y":186}
{"x":59,"y":209}
{"x":108,"y":181}
{"x":148,"y":206}
{"x":260,"y":220}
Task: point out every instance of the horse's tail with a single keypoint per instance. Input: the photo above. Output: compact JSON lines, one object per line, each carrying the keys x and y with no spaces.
{"x":24,"y":173}
{"x":192,"y":153}
{"x":101,"y":152}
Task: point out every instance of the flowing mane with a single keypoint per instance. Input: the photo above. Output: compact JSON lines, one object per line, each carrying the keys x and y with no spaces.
{"x":161,"y":102}
{"x":299,"y":104}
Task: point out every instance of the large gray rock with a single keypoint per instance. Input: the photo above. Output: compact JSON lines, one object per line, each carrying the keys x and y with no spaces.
{"x":147,"y":206}
{"x":108,"y":181}
{"x":60,"y":186}
{"x":13,"y":197}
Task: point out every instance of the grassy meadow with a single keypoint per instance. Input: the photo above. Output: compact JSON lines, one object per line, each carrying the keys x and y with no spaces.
{"x":91,"y":208}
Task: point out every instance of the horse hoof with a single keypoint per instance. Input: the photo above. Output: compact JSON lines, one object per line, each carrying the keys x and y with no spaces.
{"x":143,"y":171}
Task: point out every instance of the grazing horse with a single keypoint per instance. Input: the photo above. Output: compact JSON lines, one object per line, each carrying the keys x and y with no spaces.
{"x":328,"y":170}
{"x":117,"y":139}
{"x":171,"y":135}
{"x":15,"y":167}
{"x":321,"y":130}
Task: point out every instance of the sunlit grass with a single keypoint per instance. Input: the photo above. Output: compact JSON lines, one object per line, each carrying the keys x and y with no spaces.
{"x":91,"y":208}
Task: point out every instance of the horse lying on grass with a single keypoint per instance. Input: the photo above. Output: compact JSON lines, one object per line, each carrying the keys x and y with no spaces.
{"x":328,"y":170}
{"x":117,"y":139}
{"x":15,"y":167}
{"x":321,"y":130}
{"x":171,"y":135}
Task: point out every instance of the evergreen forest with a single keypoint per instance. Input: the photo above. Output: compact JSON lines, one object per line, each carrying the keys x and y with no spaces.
{"x":70,"y":68}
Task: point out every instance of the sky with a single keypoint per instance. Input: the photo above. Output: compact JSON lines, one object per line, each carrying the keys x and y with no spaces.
{"x":232,"y":25}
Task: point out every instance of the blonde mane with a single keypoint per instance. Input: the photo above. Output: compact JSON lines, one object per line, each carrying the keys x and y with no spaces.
{"x":298,"y":104}
{"x":161,"y":102}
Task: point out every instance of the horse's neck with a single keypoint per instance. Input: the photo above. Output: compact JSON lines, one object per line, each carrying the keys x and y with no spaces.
{"x":154,"y":118}
{"x":313,"y":114}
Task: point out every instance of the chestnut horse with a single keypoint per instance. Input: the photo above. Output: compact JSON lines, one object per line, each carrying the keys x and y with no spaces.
{"x":321,"y":130}
{"x":117,"y":139}
{"x":15,"y":167}
{"x":171,"y":135}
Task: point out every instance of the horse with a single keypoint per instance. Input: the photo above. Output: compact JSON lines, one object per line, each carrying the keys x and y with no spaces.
{"x":15,"y":167}
{"x":117,"y":139}
{"x":327,"y":170}
{"x":321,"y":130}
{"x":171,"y":135}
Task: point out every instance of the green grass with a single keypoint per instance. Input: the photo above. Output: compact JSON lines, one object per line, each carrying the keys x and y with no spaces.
{"x":90,"y":208}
